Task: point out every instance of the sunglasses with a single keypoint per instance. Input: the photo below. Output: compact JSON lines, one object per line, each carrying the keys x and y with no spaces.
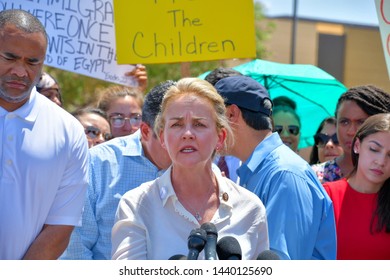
{"x":93,"y":132}
{"x":322,"y":139}
{"x":292,"y":129}
{"x":119,"y":120}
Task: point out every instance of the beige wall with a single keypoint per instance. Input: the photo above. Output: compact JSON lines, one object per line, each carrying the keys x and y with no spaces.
{"x":279,"y":44}
{"x":306,"y":44}
{"x":364,"y":59}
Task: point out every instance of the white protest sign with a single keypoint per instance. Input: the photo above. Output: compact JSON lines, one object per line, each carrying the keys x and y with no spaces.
{"x":81,"y":36}
{"x":383,"y":11}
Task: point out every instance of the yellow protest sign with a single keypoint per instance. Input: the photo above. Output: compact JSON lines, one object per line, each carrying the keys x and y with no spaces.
{"x":164,"y":31}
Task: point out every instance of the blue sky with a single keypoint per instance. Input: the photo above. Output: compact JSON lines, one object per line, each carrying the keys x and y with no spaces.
{"x":345,"y":11}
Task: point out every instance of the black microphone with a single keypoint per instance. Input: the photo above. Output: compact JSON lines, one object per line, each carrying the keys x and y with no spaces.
{"x":196,"y":242}
{"x":210,"y":250}
{"x":178,"y":257}
{"x":228,"y":248}
{"x":268,"y":255}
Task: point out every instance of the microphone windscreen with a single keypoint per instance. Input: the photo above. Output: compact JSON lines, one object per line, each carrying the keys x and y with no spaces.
{"x":197,"y":239}
{"x":178,"y":257}
{"x":210,"y":252}
{"x":228,"y":248}
{"x":209,"y":228}
{"x":268,"y":255}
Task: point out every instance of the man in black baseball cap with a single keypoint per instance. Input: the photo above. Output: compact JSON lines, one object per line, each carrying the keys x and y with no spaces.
{"x":299,"y":212}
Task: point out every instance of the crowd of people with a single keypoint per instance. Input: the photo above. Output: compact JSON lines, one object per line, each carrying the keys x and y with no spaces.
{"x":132,"y":175}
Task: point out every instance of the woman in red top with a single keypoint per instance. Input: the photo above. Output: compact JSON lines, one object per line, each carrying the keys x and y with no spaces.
{"x":362,"y":199}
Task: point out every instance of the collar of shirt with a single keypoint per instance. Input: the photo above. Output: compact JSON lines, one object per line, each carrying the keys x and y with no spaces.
{"x":28,"y":111}
{"x":129,"y":145}
{"x":133,"y":144}
{"x":166,"y":189}
{"x":262,"y":150}
{"x":133,"y":148}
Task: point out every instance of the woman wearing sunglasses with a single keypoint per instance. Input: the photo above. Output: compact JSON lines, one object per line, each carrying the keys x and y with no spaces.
{"x":326,"y":145}
{"x":352,"y":109}
{"x":95,"y":123}
{"x":286,"y":122}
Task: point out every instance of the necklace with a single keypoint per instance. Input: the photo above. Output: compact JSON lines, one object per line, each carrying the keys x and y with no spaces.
{"x":197,"y":215}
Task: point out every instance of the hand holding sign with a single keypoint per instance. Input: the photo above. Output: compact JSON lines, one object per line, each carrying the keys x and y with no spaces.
{"x":139,"y":74}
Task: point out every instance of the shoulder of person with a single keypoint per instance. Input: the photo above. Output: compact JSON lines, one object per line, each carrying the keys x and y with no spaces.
{"x":236,"y":191}
{"x":113,"y":146}
{"x":334,"y":186}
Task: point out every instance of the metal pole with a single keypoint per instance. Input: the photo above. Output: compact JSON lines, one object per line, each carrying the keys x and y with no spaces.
{"x":293,"y":31}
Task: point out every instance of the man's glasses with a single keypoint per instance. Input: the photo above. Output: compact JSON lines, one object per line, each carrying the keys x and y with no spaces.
{"x":119,"y":120}
{"x":322,"y":139}
{"x":292,"y":129}
{"x":93,"y":132}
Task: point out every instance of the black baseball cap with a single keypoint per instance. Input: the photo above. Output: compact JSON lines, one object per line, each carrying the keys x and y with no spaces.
{"x":245,"y":92}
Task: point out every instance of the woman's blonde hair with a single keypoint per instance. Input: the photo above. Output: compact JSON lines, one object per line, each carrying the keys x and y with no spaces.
{"x":200,"y":88}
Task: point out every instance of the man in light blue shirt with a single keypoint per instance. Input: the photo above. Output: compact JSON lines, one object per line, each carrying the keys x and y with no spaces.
{"x":117,"y":166}
{"x":300,"y":214}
